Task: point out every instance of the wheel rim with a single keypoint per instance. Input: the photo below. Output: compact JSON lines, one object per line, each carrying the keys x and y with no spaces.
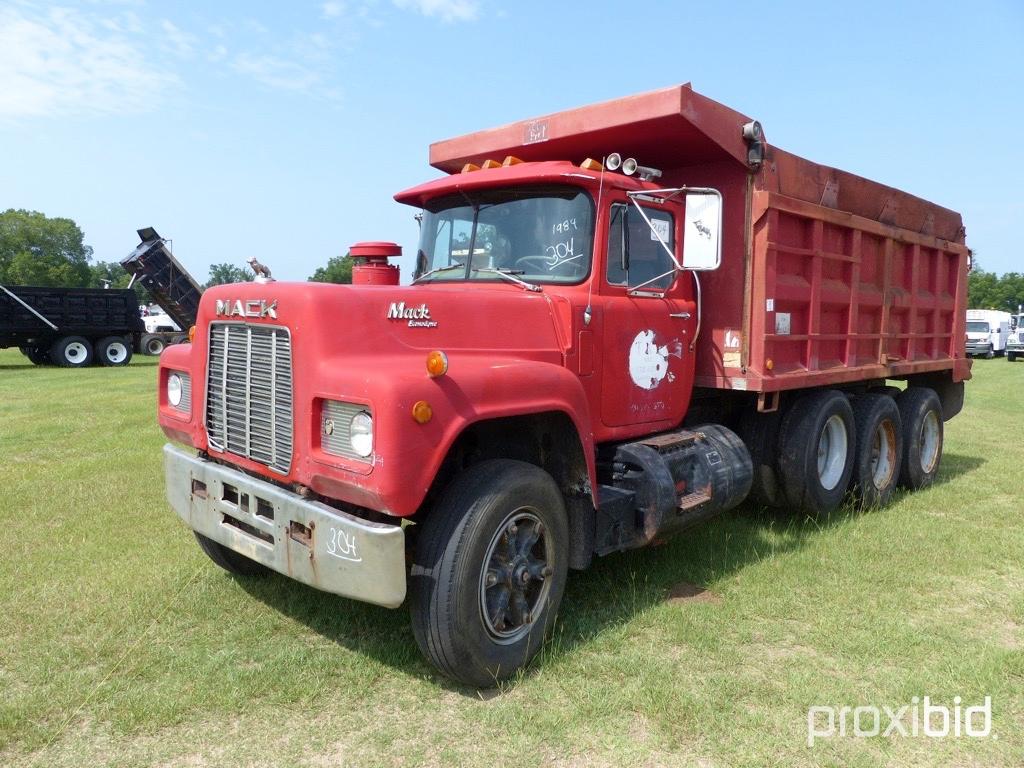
{"x":929,"y":442}
{"x":155,"y":347}
{"x":832,"y":448}
{"x":76,"y":353}
{"x":117,"y":352}
{"x":883,"y":454}
{"x":514,"y":583}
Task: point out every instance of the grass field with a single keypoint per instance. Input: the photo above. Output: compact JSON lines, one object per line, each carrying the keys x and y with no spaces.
{"x":121,"y":644}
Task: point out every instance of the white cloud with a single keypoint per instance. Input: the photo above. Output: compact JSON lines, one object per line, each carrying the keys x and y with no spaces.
{"x":332,"y":9}
{"x":179,"y":42}
{"x":276,"y":72}
{"x":446,"y":10}
{"x":62,"y":63}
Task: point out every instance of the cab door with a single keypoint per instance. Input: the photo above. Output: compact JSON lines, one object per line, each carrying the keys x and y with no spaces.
{"x":649,"y":320}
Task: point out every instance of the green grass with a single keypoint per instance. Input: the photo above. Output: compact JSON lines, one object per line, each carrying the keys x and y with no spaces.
{"x":122,"y":645}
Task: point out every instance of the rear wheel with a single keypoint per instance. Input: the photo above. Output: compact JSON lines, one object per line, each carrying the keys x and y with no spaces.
{"x":921,"y":413}
{"x":228,"y":559}
{"x":489,"y":571}
{"x":113,"y":350}
{"x":71,"y":352}
{"x":816,"y":451}
{"x":36,"y":355}
{"x":152,"y":344}
{"x":879,"y":452}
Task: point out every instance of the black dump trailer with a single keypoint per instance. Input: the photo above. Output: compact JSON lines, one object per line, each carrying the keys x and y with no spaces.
{"x":153,"y":265}
{"x":70,"y":327}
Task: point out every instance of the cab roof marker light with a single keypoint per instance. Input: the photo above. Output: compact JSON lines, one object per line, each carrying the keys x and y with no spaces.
{"x":511,"y":160}
{"x":488,"y":163}
{"x":590,"y":164}
{"x":470,"y":167}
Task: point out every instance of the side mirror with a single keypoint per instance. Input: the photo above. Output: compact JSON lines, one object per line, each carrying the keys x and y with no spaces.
{"x":702,"y":231}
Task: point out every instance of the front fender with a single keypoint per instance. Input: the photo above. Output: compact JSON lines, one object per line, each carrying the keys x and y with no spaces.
{"x":408,"y":455}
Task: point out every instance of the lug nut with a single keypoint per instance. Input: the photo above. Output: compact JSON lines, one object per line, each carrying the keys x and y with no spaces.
{"x":546,"y":571}
{"x":492,"y":579}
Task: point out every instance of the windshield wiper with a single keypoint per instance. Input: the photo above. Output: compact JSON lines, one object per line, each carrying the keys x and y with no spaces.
{"x":507,"y":274}
{"x":445,"y":268}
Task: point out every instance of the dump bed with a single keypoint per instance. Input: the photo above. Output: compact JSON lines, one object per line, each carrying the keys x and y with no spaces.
{"x":826,"y":277}
{"x":169,"y":283}
{"x":28,"y":312}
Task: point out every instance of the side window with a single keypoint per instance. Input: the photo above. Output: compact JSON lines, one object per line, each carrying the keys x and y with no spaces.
{"x":647,"y":257}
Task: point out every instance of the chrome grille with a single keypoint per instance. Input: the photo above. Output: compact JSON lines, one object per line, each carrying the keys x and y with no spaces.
{"x":338,"y":441}
{"x":249,"y":393}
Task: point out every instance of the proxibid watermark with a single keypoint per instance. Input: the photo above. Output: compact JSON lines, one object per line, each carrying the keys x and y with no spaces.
{"x":918,"y":718}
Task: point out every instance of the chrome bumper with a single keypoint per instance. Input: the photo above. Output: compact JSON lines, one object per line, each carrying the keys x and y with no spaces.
{"x":306,"y":540}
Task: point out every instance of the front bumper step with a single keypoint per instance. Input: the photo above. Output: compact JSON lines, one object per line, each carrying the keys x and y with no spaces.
{"x":306,"y":540}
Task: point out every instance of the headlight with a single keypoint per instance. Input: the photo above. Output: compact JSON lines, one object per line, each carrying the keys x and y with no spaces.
{"x":361,"y":434}
{"x":174,"y":388}
{"x":179,"y":391}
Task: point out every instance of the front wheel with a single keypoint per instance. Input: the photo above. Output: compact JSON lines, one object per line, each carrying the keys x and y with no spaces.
{"x":489,"y":571}
{"x":1011,"y":357}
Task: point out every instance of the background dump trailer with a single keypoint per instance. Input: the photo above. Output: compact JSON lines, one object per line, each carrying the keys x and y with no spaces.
{"x":70,"y":327}
{"x":170,"y":285}
{"x":826,"y":277}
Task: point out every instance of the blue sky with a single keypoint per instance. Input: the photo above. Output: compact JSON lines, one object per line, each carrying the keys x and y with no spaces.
{"x":282,"y":131}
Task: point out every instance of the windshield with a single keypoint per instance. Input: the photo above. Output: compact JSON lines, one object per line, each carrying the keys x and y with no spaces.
{"x":539,"y":234}
{"x":977,"y":326}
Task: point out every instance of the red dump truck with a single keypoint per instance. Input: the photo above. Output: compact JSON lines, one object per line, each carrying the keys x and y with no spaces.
{"x":624,"y":318}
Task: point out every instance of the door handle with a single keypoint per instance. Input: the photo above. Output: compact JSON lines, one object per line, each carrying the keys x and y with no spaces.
{"x":681,"y":315}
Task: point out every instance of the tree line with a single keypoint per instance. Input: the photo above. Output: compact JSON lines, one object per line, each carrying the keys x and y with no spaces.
{"x":987,"y":290}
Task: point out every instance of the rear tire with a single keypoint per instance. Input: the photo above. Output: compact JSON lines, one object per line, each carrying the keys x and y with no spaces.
{"x":36,"y":355}
{"x":228,"y":559}
{"x":879,"y":453}
{"x":816,"y":450}
{"x":113,"y":351}
{"x":151,"y":344}
{"x":489,"y":571}
{"x":71,"y":352}
{"x":921,"y":413}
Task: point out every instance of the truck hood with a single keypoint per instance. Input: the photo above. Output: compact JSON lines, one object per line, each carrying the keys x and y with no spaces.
{"x":495,"y":320}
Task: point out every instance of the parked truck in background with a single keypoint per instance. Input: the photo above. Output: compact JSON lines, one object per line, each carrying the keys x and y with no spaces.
{"x":624,"y":319}
{"x":70,"y":327}
{"x":174,"y":290}
{"x":987,"y":332}
{"x":1015,"y":341}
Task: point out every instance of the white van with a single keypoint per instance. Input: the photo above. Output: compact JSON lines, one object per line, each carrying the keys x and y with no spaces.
{"x":987,"y":332}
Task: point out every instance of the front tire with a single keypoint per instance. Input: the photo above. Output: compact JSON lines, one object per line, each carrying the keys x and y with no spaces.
{"x":151,"y":344}
{"x":489,"y":571}
{"x":1011,"y":357}
{"x":228,"y":559}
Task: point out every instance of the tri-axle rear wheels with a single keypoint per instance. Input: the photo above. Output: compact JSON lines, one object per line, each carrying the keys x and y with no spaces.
{"x":489,"y":571}
{"x":829,"y":444}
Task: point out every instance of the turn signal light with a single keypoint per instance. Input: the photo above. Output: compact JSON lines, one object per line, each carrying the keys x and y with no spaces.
{"x":191,"y":334}
{"x":437,"y":364}
{"x":769,"y":364}
{"x":422,"y":412}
